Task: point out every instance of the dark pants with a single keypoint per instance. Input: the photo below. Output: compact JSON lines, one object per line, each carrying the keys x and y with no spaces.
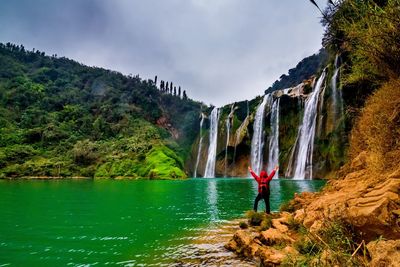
{"x":263,"y":195}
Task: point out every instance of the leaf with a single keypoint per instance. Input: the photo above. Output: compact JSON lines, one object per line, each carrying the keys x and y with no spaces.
{"x":314,"y":3}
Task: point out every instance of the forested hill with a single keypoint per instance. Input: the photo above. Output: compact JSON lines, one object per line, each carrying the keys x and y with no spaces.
{"x":59,"y":118}
{"x":304,"y":70}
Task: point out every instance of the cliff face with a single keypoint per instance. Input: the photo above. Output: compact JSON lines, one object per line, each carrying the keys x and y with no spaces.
{"x":232,"y":159}
{"x":355,"y":220}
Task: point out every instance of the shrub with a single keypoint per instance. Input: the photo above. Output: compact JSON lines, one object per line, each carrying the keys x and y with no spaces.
{"x":243,"y":225}
{"x":287,"y":206}
{"x":255,"y":218}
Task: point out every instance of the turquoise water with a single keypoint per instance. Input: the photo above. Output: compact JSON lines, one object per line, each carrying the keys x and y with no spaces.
{"x":108,"y":222}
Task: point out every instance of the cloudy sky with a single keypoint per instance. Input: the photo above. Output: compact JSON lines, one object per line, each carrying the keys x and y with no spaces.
{"x":220,"y":51}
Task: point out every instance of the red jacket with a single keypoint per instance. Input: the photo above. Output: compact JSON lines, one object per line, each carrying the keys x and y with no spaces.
{"x":263,"y":179}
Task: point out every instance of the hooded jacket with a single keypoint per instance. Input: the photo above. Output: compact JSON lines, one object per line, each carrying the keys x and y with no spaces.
{"x":263,"y":180}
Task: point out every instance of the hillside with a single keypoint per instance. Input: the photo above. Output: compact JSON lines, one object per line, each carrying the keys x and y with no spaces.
{"x":306,"y":68}
{"x":59,"y":118}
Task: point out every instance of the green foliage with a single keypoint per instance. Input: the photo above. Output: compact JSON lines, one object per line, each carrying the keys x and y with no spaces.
{"x":162,"y":163}
{"x":58,"y":117}
{"x":255,"y":218}
{"x":303,"y":71}
{"x":367,"y":34}
{"x":287,"y":206}
{"x":243,"y":225}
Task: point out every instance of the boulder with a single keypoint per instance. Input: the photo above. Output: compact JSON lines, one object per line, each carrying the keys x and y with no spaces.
{"x":270,"y":256}
{"x":276,"y":223}
{"x":384,"y":253}
{"x":243,"y":244}
{"x":299,"y":216}
{"x":273,"y":236}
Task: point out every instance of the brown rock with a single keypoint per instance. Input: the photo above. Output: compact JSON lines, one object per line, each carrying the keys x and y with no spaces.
{"x":299,"y":216}
{"x":286,"y":217}
{"x":384,"y":253}
{"x":316,"y":227}
{"x":273,"y":236}
{"x":276,"y":223}
{"x":243,"y":243}
{"x":360,"y":162}
{"x":272,"y":257}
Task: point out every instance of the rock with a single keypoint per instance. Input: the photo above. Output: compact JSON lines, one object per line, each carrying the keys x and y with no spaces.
{"x":286,"y":217}
{"x":359,"y":162}
{"x":372,"y":211}
{"x":272,"y":257}
{"x":299,"y":216}
{"x":316,"y":227}
{"x":276,"y":223}
{"x":243,"y":244}
{"x":273,"y":236}
{"x":384,"y":253}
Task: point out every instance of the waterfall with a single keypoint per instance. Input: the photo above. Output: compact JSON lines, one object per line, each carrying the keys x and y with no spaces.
{"x":257,"y":142}
{"x":273,"y":157}
{"x":307,"y":132}
{"x":200,"y":145}
{"x":212,"y":149}
{"x":336,"y":94}
{"x":228,"y":129}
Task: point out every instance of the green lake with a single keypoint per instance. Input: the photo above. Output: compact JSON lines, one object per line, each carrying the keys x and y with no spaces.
{"x":120,"y":222}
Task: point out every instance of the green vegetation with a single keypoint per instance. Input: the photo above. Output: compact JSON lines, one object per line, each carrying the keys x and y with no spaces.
{"x":259,"y":219}
{"x":366,"y":34}
{"x":306,"y":68}
{"x":59,"y":118}
{"x":334,"y":244}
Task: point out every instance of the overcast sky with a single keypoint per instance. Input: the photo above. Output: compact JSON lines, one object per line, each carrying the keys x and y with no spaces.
{"x":220,"y":51}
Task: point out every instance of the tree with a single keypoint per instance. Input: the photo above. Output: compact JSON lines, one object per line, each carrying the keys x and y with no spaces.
{"x":184,"y":95}
{"x":174,"y":90}
{"x":155,"y":81}
{"x":179,"y":91}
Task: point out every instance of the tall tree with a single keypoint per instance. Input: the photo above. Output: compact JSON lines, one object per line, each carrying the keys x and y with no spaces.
{"x":155,"y":81}
{"x":179,"y":91}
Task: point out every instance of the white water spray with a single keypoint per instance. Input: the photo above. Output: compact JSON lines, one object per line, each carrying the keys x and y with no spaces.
{"x":212,"y":149}
{"x":307,"y":133}
{"x":200,"y":144}
{"x":337,"y":103}
{"x":257,"y":142}
{"x":273,"y":157}
{"x":228,"y":131}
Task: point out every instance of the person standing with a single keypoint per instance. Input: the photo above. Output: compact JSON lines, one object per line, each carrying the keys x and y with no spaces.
{"x":263,"y":187}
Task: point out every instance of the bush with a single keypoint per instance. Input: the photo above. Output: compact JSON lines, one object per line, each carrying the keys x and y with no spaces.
{"x":255,"y":218}
{"x":287,"y":206}
{"x":243,"y":225}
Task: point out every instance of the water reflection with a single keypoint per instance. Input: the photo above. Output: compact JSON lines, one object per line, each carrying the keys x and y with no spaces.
{"x":212,"y":200}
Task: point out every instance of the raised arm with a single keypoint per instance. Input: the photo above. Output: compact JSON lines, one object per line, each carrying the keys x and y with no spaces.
{"x":272,"y":174}
{"x":254,"y":174}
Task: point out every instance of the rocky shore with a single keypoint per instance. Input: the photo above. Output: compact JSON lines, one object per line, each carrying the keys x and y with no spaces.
{"x":354,"y":221}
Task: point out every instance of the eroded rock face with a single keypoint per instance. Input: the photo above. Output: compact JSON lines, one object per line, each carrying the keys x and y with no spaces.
{"x":367,"y":202}
{"x":384,"y":253}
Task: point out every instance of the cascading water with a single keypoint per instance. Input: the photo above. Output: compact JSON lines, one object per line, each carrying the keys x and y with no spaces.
{"x":273,"y":157}
{"x":337,"y":103}
{"x":212,"y":149}
{"x":257,"y":142}
{"x":228,"y":131}
{"x":200,"y":144}
{"x":307,"y":133}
